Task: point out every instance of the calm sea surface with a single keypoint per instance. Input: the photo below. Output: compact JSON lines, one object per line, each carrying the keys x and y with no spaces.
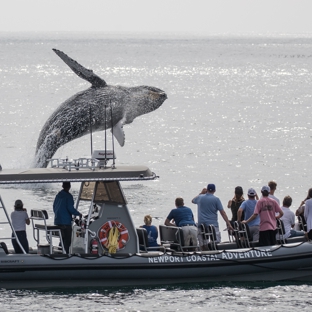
{"x":238,"y":113}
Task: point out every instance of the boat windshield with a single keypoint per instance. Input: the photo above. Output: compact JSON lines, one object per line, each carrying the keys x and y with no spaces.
{"x":105,"y":192}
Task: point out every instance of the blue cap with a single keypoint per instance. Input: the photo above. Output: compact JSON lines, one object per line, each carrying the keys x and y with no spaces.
{"x":211,"y":187}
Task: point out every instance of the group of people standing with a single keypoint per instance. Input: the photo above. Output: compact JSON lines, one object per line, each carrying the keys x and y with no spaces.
{"x":259,"y":214}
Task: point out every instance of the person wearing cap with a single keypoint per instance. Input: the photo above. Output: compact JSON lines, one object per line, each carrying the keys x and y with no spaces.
{"x":236,"y":202}
{"x":208,"y":206}
{"x":19,"y":219}
{"x":247,"y":208}
{"x":268,"y":211}
{"x":182,"y":216}
{"x":63,"y":208}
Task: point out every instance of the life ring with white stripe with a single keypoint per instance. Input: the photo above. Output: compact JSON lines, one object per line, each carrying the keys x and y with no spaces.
{"x":117,"y":239}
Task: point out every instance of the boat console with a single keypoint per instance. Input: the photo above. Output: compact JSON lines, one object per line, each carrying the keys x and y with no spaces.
{"x":108,"y":212}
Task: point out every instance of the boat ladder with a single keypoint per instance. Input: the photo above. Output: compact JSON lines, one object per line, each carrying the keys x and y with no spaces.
{"x":14,"y":236}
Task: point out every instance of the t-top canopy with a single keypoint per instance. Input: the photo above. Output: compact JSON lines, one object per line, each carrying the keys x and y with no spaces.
{"x":56,"y":175}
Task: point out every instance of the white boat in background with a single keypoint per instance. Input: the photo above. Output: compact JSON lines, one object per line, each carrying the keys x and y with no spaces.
{"x":108,"y":250}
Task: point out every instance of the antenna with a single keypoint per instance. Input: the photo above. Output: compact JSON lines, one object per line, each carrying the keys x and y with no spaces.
{"x":105,"y":134}
{"x":91,"y":129}
{"x":112,"y":124}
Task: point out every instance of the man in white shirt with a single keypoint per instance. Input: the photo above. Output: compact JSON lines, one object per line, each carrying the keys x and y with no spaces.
{"x":289,"y":219}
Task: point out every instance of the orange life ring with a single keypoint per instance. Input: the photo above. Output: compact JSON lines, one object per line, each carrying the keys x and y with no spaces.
{"x":123,"y":237}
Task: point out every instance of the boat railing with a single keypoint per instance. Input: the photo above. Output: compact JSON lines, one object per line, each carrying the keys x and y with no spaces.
{"x":75,"y":164}
{"x":98,"y":159}
{"x":14,"y":236}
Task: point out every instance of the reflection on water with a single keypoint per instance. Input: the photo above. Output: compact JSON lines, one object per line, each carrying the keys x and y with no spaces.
{"x":215,"y":297}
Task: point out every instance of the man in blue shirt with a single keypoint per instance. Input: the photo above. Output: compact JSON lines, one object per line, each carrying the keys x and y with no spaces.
{"x":63,"y":208}
{"x":208,"y":206}
{"x":248,"y":207}
{"x":183,"y":217}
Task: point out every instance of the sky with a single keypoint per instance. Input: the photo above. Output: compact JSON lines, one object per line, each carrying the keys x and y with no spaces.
{"x":201,"y":16}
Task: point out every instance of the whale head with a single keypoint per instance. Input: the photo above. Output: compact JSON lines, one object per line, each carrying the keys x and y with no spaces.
{"x":145,"y":99}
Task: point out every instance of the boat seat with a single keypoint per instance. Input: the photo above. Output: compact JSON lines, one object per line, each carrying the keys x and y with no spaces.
{"x":4,"y":247}
{"x":302,"y":223}
{"x":243,"y":235}
{"x":173,"y":235}
{"x":280,"y":232}
{"x":209,"y":235}
{"x":50,"y":230}
{"x":232,"y":234}
{"x":143,"y":241}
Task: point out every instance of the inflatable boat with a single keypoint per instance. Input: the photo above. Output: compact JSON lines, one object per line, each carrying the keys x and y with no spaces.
{"x":108,"y":250}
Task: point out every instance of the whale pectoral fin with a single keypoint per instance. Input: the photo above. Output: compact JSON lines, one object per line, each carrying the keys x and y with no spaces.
{"x":81,"y":71}
{"x":118,"y":133}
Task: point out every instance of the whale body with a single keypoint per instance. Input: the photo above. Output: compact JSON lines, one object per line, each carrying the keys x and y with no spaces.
{"x":103,"y":106}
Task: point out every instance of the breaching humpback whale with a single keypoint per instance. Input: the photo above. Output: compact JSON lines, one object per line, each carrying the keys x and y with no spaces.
{"x":71,"y":119}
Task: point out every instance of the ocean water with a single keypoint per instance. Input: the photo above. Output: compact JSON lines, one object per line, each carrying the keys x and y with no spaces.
{"x":238,"y":113}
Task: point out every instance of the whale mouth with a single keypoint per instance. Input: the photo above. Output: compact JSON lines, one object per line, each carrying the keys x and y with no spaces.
{"x":157,"y":98}
{"x":160,"y":93}
{"x":163,"y":94}
{"x":156,"y":90}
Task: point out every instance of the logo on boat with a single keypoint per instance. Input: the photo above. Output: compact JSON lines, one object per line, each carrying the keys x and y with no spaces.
{"x":226,"y":255}
{"x":10,"y":261}
{"x":176,"y":259}
{"x":247,"y":254}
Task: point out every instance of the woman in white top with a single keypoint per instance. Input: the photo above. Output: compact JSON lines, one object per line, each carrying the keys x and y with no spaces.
{"x":308,"y":213}
{"x":19,"y":219}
